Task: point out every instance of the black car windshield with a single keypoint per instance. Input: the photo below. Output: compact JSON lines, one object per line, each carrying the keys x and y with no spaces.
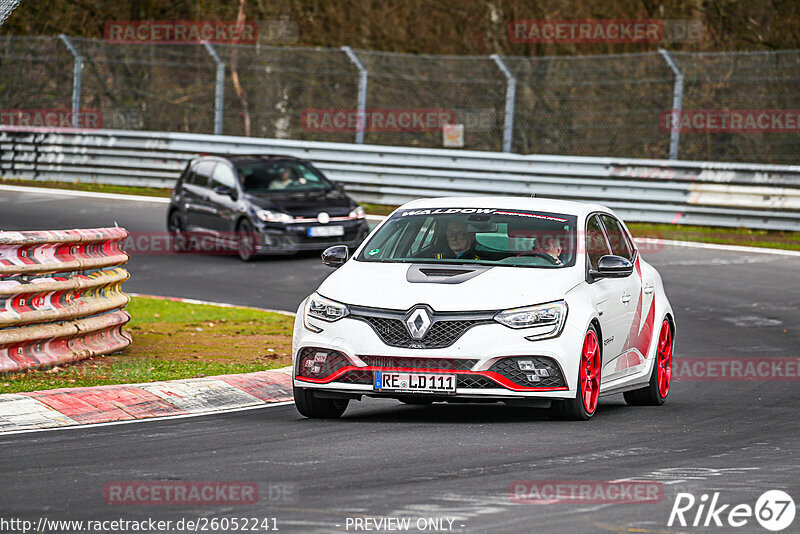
{"x":280,"y":176}
{"x":475,"y":235}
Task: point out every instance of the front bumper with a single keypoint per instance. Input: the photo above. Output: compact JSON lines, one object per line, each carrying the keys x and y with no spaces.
{"x":483,"y":361}
{"x":290,"y":238}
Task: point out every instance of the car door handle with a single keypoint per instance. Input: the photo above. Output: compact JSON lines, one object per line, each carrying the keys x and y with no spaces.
{"x":648,"y":289}
{"x":626,"y":298}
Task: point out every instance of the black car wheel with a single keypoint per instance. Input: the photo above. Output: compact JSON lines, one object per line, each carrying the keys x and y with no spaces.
{"x":310,"y":406}
{"x":180,"y":241}
{"x":247,"y":238}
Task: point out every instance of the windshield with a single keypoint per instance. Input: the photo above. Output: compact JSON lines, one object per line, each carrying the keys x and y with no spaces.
{"x":277,"y":176}
{"x":472,"y":235}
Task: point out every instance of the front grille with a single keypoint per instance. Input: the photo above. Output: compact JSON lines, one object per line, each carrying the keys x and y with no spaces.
{"x":509,"y":368}
{"x":476,"y":382}
{"x":356,"y":377}
{"x":334,"y":361}
{"x":440,"y":335}
{"x":418,"y":363}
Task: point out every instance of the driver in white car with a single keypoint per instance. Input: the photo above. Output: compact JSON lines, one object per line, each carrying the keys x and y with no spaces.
{"x":460,"y":242}
{"x":550,"y":246}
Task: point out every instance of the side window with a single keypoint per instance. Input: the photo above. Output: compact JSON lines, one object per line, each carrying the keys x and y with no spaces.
{"x":617,"y":237}
{"x":202,"y":173}
{"x":223,"y":177}
{"x":191,"y":175}
{"x":596,"y":245}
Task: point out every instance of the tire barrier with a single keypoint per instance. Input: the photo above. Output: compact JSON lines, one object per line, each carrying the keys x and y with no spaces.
{"x":60,"y":296}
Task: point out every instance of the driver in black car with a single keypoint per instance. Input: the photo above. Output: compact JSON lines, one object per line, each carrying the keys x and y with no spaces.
{"x":460,"y":243}
{"x":550,"y":248}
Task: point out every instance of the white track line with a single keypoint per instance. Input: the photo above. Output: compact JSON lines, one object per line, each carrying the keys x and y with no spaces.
{"x":714,"y":246}
{"x":87,"y":194}
{"x":379,"y":218}
{"x":113,"y":423}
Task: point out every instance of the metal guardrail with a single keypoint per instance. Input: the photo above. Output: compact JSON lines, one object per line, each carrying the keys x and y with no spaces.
{"x":60,"y":296}
{"x":657,"y":191}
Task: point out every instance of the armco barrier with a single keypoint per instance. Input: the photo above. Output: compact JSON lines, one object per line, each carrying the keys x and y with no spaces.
{"x":61,"y":297}
{"x":660,"y":191}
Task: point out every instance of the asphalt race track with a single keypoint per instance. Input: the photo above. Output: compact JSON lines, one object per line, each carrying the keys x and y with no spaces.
{"x":386,"y":459}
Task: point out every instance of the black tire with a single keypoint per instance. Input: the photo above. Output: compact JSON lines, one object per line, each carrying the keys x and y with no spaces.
{"x":575,"y":409}
{"x":650,"y":395}
{"x":246,"y":240}
{"x":180,"y":241}
{"x":312,"y":407}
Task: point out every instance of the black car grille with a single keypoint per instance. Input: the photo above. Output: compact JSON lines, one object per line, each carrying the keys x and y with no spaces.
{"x":440,"y":335}
{"x":418,"y":363}
{"x":509,"y":368}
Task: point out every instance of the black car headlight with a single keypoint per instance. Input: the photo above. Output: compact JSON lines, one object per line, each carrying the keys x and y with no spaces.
{"x":357,"y":213}
{"x":548,"y":319}
{"x":274,"y":216}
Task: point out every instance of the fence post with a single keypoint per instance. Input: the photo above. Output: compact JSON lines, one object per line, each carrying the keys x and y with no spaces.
{"x":361,"y":118}
{"x":511,"y":91}
{"x":219,"y":90}
{"x":677,"y":105}
{"x":76,"y":79}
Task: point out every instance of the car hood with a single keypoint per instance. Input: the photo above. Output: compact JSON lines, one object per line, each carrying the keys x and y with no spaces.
{"x":386,"y":285}
{"x":305,"y":204}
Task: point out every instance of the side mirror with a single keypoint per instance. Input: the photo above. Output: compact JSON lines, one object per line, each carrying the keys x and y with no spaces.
{"x":339,"y":186}
{"x":335,"y":256}
{"x":223,"y":190}
{"x":612,"y":267}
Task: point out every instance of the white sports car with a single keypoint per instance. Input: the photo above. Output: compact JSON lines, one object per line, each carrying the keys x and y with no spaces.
{"x":526,"y":301}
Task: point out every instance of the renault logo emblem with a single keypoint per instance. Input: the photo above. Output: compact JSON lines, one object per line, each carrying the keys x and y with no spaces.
{"x":418,"y":322}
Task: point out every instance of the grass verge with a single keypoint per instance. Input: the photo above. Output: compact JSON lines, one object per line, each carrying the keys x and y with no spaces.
{"x":677,"y":232}
{"x":174,"y":340}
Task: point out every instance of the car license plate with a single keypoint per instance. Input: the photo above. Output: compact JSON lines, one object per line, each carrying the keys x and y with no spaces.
{"x":326,"y":231}
{"x":414,"y":382}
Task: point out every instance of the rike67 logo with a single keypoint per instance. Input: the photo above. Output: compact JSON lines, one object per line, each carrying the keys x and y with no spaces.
{"x":774,"y":510}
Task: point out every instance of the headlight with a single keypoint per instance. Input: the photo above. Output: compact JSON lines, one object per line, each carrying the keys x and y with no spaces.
{"x":357,"y":213}
{"x":318,"y":307}
{"x":274,"y":216}
{"x":548,"y":319}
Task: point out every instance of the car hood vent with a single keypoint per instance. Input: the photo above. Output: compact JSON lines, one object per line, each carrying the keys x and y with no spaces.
{"x":425,"y":274}
{"x":444,"y":272}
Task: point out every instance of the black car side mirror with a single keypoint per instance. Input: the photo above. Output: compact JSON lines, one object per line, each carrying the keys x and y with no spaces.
{"x":611,"y":266}
{"x":338,"y":186}
{"x":335,"y":256}
{"x":223,"y":190}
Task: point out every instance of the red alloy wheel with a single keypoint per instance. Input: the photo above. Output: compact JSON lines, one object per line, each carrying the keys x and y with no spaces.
{"x":590,"y":372}
{"x":664,"y":359}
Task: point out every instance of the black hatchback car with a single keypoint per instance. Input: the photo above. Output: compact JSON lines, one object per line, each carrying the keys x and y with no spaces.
{"x":259,"y":204}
